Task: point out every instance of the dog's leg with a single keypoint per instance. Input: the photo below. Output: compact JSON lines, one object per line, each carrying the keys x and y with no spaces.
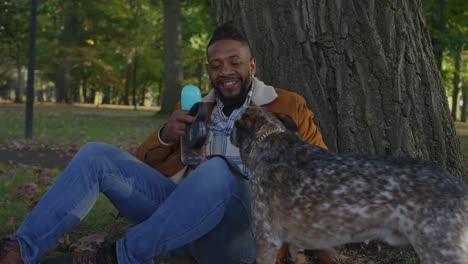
{"x":266,"y":249}
{"x":301,"y":258}
{"x":282,"y":253}
{"x":444,"y":247}
{"x":267,"y":243}
{"x":297,"y":255}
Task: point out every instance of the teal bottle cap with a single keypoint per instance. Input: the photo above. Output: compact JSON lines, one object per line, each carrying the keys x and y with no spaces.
{"x":190,"y":95}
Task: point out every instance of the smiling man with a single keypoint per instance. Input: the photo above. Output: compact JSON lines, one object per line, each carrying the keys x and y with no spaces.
{"x":202,"y":211}
{"x":231,"y":68}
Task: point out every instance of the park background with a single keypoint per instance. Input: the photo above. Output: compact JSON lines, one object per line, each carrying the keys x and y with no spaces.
{"x":383,"y":77}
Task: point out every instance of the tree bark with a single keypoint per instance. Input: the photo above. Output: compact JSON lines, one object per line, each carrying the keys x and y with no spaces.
{"x":366,"y":67}
{"x":173,"y":73}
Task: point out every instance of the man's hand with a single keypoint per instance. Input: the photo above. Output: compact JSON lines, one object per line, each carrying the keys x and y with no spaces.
{"x":176,"y":126}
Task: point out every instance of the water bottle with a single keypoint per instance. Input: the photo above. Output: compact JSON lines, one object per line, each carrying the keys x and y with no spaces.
{"x":193,"y":143}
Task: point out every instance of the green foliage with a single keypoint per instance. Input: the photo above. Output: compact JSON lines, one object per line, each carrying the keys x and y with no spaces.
{"x":448,"y":69}
{"x":108,"y":39}
{"x":196,"y":31}
{"x":447,"y":22}
{"x":13,"y":30}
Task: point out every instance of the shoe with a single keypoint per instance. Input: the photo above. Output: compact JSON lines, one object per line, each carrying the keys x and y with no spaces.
{"x":9,"y":252}
{"x":104,"y":255}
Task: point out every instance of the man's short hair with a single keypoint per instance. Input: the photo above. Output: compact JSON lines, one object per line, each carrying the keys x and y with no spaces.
{"x":228,"y":31}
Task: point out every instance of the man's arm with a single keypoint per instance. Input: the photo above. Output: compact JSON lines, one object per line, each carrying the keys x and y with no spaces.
{"x":161,"y":150}
{"x":308,"y":131}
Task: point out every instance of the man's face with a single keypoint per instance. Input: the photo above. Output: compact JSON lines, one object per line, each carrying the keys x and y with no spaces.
{"x":230,"y":68}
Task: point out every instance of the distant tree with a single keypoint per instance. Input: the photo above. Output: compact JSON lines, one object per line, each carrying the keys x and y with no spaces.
{"x":367,"y":69}
{"x":197,"y":27}
{"x":448,"y":24}
{"x":65,"y":82}
{"x":173,"y":71}
{"x":13,"y":39}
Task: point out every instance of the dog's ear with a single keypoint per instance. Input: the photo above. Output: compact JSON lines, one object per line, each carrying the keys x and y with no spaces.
{"x":287,"y":121}
{"x":248,"y":120}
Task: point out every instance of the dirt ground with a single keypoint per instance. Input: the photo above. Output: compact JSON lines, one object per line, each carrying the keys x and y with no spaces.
{"x":372,"y":253}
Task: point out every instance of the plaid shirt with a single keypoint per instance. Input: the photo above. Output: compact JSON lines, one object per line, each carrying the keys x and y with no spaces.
{"x":220,"y":129}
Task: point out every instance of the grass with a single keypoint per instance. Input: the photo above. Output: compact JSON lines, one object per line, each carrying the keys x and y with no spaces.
{"x":61,"y":126}
{"x":22,"y":188}
{"x":64,"y":125}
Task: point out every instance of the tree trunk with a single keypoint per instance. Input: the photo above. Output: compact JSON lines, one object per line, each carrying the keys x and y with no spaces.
{"x":128,"y":77}
{"x":173,"y":74}
{"x":19,"y":82}
{"x":66,"y":92}
{"x":456,"y":82}
{"x":366,"y":67}
{"x":84,"y":85}
{"x":464,"y":89}
{"x":134,"y":83}
{"x":92,"y":96}
{"x":200,"y":74}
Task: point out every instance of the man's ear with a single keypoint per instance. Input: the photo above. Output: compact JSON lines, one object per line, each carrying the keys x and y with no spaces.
{"x":287,"y":121}
{"x":252,"y":66}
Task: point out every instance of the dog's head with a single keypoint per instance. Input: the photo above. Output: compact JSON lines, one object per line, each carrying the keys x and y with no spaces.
{"x":253,"y":123}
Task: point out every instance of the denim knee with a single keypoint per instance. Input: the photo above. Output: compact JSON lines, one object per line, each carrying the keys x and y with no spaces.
{"x":215,"y":174}
{"x":91,"y":149}
{"x":233,"y":239}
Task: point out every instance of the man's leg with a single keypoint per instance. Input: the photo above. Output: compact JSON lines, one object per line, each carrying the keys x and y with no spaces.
{"x":209,"y":212}
{"x":134,"y":188}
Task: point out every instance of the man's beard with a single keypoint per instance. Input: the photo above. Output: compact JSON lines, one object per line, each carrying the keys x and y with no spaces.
{"x":237,"y":100}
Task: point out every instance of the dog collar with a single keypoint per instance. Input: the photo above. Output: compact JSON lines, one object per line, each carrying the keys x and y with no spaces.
{"x":269,"y":132}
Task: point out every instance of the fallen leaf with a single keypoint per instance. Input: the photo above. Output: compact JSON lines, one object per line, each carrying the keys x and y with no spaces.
{"x":31,"y":203}
{"x":95,"y":238}
{"x":3,"y":170}
{"x":27,"y":190}
{"x":89,"y":243}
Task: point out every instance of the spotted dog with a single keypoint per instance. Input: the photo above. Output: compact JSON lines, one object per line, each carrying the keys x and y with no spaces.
{"x":314,"y":199}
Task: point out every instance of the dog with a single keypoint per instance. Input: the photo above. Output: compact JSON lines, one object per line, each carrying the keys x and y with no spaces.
{"x":314,"y":199}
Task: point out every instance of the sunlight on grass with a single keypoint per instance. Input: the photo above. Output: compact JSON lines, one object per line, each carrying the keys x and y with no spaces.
{"x":64,"y":125}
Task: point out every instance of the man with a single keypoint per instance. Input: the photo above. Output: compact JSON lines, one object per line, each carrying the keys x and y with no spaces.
{"x":207,"y":215}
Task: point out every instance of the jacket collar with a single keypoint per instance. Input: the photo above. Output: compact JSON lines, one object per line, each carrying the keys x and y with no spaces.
{"x":262,"y":94}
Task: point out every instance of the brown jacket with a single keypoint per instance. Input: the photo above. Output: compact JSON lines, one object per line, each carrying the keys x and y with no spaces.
{"x":166,"y":158}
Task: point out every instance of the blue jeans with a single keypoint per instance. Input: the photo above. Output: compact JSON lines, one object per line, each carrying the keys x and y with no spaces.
{"x":207,"y":215}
